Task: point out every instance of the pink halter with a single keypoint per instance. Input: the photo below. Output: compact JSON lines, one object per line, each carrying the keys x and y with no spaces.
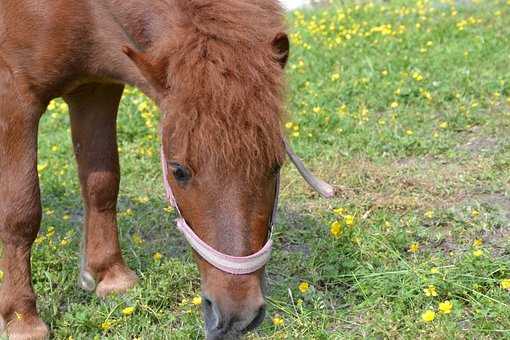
{"x":239,"y":265}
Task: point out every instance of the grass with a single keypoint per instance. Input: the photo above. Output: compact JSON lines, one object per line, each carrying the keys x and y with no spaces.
{"x":404,"y":106}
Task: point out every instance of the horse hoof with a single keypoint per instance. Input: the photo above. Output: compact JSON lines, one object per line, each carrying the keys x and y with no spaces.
{"x":118,"y":279}
{"x":27,"y":329}
{"x":86,"y":281}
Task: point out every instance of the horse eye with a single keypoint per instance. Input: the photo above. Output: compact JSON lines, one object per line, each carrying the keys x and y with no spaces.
{"x":180,"y":172}
{"x":275,"y":170}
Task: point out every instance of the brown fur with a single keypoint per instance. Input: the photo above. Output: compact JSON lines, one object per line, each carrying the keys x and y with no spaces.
{"x":214,"y":67}
{"x":225,"y":84}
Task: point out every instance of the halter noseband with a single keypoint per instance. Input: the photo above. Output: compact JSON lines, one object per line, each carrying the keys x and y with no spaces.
{"x":239,"y":265}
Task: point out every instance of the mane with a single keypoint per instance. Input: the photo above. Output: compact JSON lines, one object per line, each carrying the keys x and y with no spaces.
{"x":226,"y":86}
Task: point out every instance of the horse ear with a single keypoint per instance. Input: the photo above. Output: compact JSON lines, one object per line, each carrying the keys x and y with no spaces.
{"x":151,"y":69}
{"x":281,"y":46}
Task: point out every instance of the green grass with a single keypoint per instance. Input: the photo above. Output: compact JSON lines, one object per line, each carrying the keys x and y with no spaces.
{"x":404,"y":107}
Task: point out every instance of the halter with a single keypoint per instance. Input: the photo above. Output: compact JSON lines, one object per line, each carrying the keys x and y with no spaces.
{"x":239,"y":265}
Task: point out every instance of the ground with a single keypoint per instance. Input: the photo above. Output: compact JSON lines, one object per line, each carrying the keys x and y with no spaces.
{"x":404,"y":106}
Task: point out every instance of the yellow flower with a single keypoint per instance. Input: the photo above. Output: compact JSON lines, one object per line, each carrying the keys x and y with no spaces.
{"x":41,"y":167}
{"x":128,"y":311}
{"x":428,"y":316}
{"x":1,"y":276}
{"x":317,"y":109}
{"x":157,"y":256}
{"x":478,"y":252}
{"x":278,"y":320}
{"x":304,"y":287}
{"x":409,"y":132}
{"x":339,"y":211}
{"x":106,"y":325}
{"x":197,"y":300}
{"x":477,"y":242}
{"x":64,"y":242}
{"x":349,"y":220}
{"x":335,"y":76}
{"x":505,"y":284}
{"x":394,"y":105}
{"x":429,"y":214}
{"x":137,"y":239}
{"x":434,"y":270}
{"x":142,"y":199}
{"x":445,"y":307}
{"x":414,"y":247}
{"x":289,"y":125}
{"x":443,"y":125}
{"x":475,"y":213}
{"x":430,"y":290}
{"x":335,"y":229}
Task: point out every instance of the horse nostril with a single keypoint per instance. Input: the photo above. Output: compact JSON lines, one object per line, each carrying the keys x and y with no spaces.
{"x":257,"y":320}
{"x":211,"y":314}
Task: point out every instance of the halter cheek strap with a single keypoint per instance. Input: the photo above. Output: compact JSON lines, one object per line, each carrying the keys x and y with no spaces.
{"x":236,"y":265}
{"x":239,"y":265}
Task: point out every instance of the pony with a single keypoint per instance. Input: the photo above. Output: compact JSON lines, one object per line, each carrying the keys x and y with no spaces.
{"x":215,"y":69}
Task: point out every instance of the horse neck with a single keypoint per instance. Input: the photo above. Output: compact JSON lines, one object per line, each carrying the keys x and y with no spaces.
{"x":146,"y":22}
{"x":140,"y":24}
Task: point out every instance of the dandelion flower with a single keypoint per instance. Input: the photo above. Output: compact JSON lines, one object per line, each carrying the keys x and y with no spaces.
{"x":197,"y":300}
{"x":505,"y":283}
{"x":335,"y":76}
{"x":304,"y":287}
{"x":475,"y":213}
{"x":335,"y":229}
{"x":339,"y":211}
{"x":429,"y":214}
{"x":414,"y":247}
{"x":278,"y":320}
{"x":157,"y":256}
{"x":137,"y":239}
{"x":106,"y":325}
{"x":349,"y":220}
{"x":428,"y":316}
{"x":128,"y":311}
{"x":434,"y":270}
{"x":394,"y":105}
{"x":443,"y":125}
{"x":477,"y":242}
{"x":445,"y":307}
{"x":430,"y":290}
{"x":478,"y":252}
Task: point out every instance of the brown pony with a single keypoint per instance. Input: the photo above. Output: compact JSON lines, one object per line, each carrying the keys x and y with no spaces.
{"x":215,"y":69}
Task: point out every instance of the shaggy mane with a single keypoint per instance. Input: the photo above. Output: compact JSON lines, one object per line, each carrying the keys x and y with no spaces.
{"x":226,"y":84}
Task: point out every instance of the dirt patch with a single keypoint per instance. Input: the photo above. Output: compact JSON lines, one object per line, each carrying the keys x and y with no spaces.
{"x":479,"y":145}
{"x":499,"y":202}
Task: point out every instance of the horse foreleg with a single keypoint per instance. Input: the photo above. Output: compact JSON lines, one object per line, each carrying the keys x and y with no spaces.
{"x":93,"y":123}
{"x":20,"y":211}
